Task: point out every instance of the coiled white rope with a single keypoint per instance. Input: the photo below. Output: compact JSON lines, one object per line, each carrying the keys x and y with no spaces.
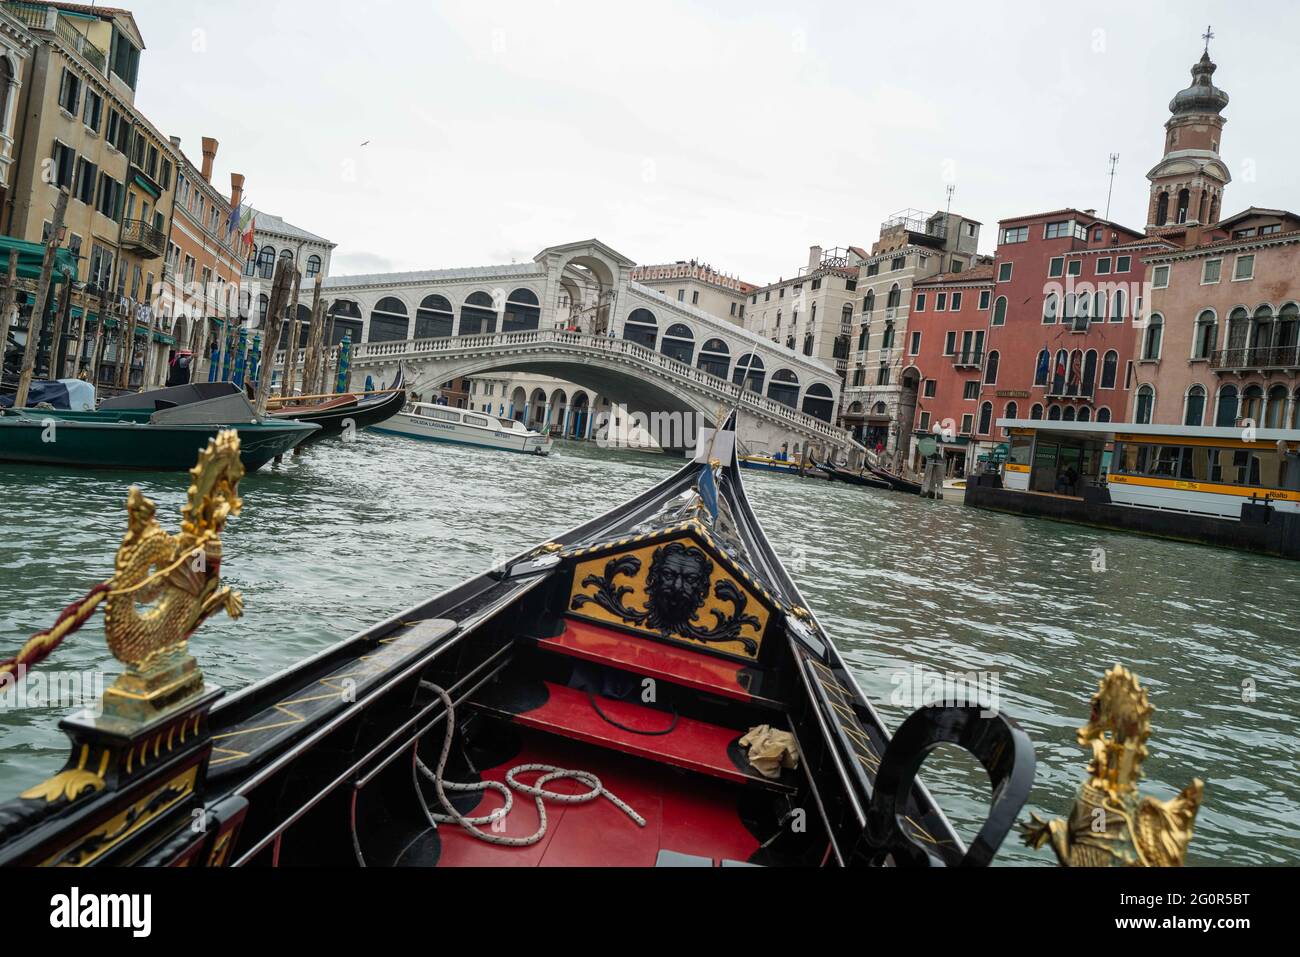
{"x":537,"y":790}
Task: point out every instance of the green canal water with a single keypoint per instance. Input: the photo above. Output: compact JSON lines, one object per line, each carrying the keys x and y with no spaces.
{"x":347,"y":534}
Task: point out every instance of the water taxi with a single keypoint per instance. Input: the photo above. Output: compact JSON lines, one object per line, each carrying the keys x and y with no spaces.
{"x":1236,"y":486}
{"x":648,"y":688}
{"x":442,"y":423}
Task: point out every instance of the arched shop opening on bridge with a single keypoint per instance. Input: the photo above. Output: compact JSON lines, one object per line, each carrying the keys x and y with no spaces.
{"x":345,"y":316}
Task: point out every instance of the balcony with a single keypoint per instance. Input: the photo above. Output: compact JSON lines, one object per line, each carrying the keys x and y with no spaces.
{"x":968,"y":359}
{"x":141,"y":237}
{"x":1258,"y":359}
{"x":1059,"y":389}
{"x":40,"y":16}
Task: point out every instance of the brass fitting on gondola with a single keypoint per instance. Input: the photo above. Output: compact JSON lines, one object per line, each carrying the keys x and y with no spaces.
{"x":1111,"y":824}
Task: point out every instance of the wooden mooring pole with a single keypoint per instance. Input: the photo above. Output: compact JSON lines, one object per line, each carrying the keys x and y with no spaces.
{"x":38,"y":307}
{"x":274,"y":318}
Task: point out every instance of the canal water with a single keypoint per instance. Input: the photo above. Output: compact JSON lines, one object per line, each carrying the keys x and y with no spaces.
{"x":346,"y":534}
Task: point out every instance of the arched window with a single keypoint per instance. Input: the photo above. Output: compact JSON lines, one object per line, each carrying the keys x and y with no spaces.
{"x":1089,"y":373}
{"x":1099,"y":306}
{"x":678,"y":343}
{"x":1162,"y":209}
{"x":1184,"y":198}
{"x":287,"y":255}
{"x":1010,"y":412}
{"x":1225,"y":415}
{"x":1074,"y":378}
{"x":435,"y":318}
{"x":1146,"y":403}
{"x":1152,"y":339}
{"x":808,"y":344}
{"x":1109,"y":369}
{"x":346,"y":317}
{"x":1085,"y":414}
{"x":1288,"y":331}
{"x":715,"y":358}
{"x":1103,"y":414}
{"x":819,"y":402}
{"x":250,"y":264}
{"x":388,"y":321}
{"x":895,"y":297}
{"x":1252,"y":404}
{"x":1036,"y":412}
{"x":313,"y":266}
{"x":1054,"y":413}
{"x":1060,"y":371}
{"x":1067,"y":414}
{"x":1262,"y":338}
{"x":1042,"y":368}
{"x":478,"y":315}
{"x":887,"y":337}
{"x":846,"y":314}
{"x":1119,"y":306}
{"x":784,"y":388}
{"x":642,"y":328}
{"x":868,"y":303}
{"x":748,"y":371}
{"x":523,"y":312}
{"x":986,"y":418}
{"x":1051,"y":308}
{"x":991,"y":368}
{"x":1194,"y":413}
{"x":266,"y":262}
{"x":1000,"y":311}
{"x":263,"y":307}
{"x":1238,"y":338}
{"x":864,"y":337}
{"x":1206,"y":335}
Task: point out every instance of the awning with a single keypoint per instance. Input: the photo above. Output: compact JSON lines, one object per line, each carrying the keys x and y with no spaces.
{"x":32,"y":255}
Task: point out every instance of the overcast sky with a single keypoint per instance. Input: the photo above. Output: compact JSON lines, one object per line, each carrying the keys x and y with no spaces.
{"x":739,"y":134}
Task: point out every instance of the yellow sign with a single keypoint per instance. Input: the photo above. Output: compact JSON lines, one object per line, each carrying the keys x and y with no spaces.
{"x":674,"y":590}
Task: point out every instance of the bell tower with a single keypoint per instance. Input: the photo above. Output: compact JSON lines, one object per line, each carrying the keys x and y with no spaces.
{"x":1187,"y":184}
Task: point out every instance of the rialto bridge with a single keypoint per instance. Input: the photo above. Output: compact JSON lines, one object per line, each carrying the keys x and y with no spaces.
{"x":573,"y":314}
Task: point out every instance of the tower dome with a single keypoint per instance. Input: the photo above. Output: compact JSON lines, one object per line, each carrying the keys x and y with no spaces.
{"x":1202,"y":96}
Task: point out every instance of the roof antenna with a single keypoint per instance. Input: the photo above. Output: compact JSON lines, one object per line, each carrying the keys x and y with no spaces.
{"x":952,"y":188}
{"x":1114,"y":161}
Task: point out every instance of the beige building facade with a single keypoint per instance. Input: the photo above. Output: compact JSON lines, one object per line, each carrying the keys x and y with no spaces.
{"x":880,"y":397}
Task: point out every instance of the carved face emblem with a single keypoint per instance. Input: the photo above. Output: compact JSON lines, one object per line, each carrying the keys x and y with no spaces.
{"x":677,"y":586}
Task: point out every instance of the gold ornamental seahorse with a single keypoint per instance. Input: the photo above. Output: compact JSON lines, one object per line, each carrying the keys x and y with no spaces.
{"x":1111,"y":823}
{"x":165,"y":586}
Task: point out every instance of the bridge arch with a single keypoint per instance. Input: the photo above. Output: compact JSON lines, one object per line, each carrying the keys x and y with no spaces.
{"x":679,"y":343}
{"x":435,"y":318}
{"x":390,"y":321}
{"x":715,"y":358}
{"x":749,"y":371}
{"x":784,"y":388}
{"x":642,"y":328}
{"x":345,"y":314}
{"x":478,"y":315}
{"x":819,"y":402}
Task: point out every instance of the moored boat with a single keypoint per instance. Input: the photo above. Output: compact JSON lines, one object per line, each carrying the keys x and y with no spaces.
{"x":850,"y":477}
{"x":768,"y":463}
{"x":895,"y":481}
{"x":347,"y":412}
{"x":164,"y":438}
{"x":657,"y":659}
{"x":443,"y":423}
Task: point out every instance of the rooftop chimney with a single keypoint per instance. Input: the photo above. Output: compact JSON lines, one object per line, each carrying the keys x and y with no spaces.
{"x":175,"y":141}
{"x":236,"y":189}
{"x":1090,"y":212}
{"x":209,"y":155}
{"x":814,"y":257}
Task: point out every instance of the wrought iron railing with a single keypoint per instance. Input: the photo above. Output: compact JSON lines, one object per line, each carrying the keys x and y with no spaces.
{"x":142,"y":235}
{"x":1257,"y":357}
{"x":968,"y":357}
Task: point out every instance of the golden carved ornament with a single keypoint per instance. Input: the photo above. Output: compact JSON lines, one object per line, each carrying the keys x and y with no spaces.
{"x":165,"y":586}
{"x":1111,"y":824}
